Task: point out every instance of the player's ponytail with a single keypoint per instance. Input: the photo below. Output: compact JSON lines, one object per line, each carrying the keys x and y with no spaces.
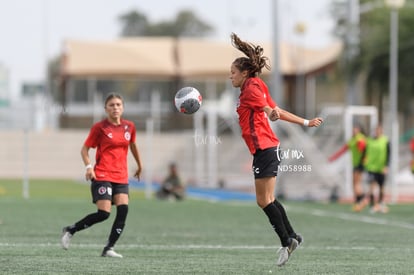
{"x":255,"y":60}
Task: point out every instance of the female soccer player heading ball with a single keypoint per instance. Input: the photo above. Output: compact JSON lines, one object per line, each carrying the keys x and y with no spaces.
{"x":109,"y":177}
{"x":254,"y":108}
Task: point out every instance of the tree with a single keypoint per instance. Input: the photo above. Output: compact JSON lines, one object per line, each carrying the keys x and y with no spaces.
{"x":372,"y":58}
{"x":133,"y":23}
{"x":185,"y":24}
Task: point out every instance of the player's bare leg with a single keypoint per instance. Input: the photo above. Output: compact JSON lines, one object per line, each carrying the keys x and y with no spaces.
{"x":360,"y":201}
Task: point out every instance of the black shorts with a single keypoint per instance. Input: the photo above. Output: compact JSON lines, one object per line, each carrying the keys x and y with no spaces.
{"x":104,"y":190}
{"x":265,"y":163}
{"x":376,"y":177}
{"x":359,"y":168}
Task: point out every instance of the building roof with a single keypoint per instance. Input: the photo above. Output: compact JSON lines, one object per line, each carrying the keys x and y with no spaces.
{"x":185,"y":57}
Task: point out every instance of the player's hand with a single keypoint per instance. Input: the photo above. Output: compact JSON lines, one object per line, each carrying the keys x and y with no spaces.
{"x":274,"y":114}
{"x":90,"y":174}
{"x":316,"y":122}
{"x":138,"y":173}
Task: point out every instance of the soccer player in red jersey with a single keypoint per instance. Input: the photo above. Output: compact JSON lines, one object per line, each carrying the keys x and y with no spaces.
{"x":109,"y":176}
{"x":254,"y":108}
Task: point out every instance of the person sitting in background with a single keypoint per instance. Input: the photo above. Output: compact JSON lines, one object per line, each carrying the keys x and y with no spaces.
{"x":172,"y":185}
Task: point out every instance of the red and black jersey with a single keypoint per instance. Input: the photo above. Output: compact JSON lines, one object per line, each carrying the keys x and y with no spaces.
{"x":111,"y":143}
{"x":254,"y":124}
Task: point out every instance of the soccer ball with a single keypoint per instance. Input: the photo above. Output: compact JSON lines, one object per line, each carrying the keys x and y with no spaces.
{"x":188,"y":100}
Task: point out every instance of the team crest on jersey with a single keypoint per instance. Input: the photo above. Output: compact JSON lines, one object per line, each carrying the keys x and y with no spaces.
{"x":109,"y":135}
{"x":102,"y":190}
{"x":127,"y":136}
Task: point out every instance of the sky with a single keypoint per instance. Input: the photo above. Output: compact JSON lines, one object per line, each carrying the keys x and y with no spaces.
{"x":33,"y":31}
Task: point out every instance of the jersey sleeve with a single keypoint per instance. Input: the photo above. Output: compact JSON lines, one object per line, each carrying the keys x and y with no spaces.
{"x":270,"y":101}
{"x":269,"y":98}
{"x":257,"y":98}
{"x":133,"y":133}
{"x":93,"y":137}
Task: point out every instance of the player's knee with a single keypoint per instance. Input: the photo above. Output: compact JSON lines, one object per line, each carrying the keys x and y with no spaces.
{"x":102,"y":215}
{"x":262,"y":203}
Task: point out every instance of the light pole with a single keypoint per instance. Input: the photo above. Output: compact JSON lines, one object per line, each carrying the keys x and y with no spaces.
{"x":300,"y":85}
{"x":277,"y":91}
{"x":394,"y":5}
{"x":352,"y":42}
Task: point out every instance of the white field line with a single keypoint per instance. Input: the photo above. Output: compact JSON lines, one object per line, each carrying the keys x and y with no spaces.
{"x":199,"y":247}
{"x":148,"y":246}
{"x":316,"y":212}
{"x":356,"y":217}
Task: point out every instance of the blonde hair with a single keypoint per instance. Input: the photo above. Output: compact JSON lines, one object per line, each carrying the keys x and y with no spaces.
{"x":254,"y":62}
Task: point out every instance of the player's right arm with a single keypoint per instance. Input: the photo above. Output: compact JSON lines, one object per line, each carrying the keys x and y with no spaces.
{"x":338,"y":153}
{"x":89,"y":173}
{"x":290,"y":117}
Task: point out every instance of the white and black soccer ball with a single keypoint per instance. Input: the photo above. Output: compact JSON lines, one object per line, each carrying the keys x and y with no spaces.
{"x":188,"y":100}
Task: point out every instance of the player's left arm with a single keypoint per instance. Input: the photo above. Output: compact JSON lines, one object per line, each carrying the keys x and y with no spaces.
{"x":135,"y":153}
{"x":288,"y":116}
{"x":272,"y":113}
{"x":387,"y":161}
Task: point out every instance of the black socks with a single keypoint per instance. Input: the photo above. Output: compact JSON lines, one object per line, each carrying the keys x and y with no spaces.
{"x":286,"y":222}
{"x":276,"y":220}
{"x":359,"y":198}
{"x":118,"y":225}
{"x":88,"y":221}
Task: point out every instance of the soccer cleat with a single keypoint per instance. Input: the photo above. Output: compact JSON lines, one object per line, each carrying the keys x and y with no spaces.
{"x":109,"y":252}
{"x":383,"y":208}
{"x":66,"y":236}
{"x":286,"y":251}
{"x":299,"y":238}
{"x":357,"y":207}
{"x":375,"y":209}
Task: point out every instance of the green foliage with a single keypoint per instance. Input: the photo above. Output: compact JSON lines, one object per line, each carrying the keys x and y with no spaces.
{"x":185,"y":24}
{"x":372,"y":59}
{"x":196,"y":237}
{"x":133,"y":23}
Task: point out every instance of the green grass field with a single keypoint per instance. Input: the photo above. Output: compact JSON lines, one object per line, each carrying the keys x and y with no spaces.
{"x":196,"y":237}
